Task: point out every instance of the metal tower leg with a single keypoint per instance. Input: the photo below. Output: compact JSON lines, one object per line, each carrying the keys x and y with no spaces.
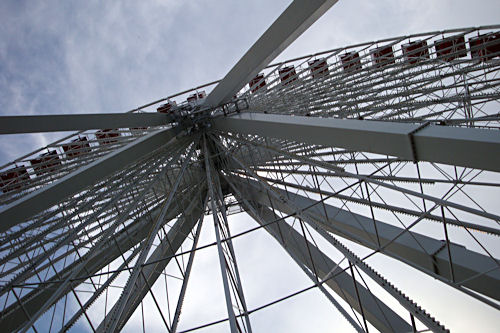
{"x":222,"y":261}
{"x":229,"y":243}
{"x":157,"y":262}
{"x":251,"y":210}
{"x":187,"y":273}
{"x":119,"y":308}
{"x":396,"y":242}
{"x":376,"y":312}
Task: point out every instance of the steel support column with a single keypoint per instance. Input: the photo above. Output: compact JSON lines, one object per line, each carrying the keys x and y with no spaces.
{"x":222,"y":262}
{"x":408,"y":247}
{"x":377,"y":313}
{"x":158,"y":260}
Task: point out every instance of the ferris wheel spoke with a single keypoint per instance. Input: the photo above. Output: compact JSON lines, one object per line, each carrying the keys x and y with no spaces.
{"x":227,"y":258}
{"x":415,"y":142}
{"x":72,"y":122}
{"x":296,"y":18}
{"x":303,"y":251}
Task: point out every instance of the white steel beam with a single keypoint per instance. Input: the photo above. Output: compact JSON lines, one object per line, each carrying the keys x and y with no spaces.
{"x":158,"y":260}
{"x":222,"y":261}
{"x":112,"y":324}
{"x":79,"y":122}
{"x":468,"y":147}
{"x":15,"y":315}
{"x":406,"y":302}
{"x":44,"y":198}
{"x":306,"y":253}
{"x":422,"y":252}
{"x":296,"y":19}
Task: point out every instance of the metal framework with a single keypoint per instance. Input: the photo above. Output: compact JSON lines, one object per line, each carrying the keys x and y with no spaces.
{"x":381,"y":149}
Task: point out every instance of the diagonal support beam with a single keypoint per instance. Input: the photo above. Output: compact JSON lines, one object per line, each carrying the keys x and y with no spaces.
{"x":187,"y":274}
{"x":44,"y":198}
{"x":296,"y":19}
{"x":407,"y":248}
{"x":112,"y":324}
{"x":158,"y":260}
{"x":468,"y":147}
{"x":222,"y":262}
{"x":79,"y":122}
{"x":14,"y":316}
{"x":306,"y":253}
{"x":406,"y":302}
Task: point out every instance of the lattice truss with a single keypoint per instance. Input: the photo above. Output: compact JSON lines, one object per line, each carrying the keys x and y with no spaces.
{"x":386,"y":148}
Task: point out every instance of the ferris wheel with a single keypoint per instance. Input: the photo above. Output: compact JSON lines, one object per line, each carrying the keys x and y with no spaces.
{"x":387,"y":148}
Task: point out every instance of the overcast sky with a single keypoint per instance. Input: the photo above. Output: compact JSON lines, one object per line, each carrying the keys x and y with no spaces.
{"x":112,"y":56}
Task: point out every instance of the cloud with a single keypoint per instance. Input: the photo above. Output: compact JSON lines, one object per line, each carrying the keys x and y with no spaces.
{"x":94,"y":57}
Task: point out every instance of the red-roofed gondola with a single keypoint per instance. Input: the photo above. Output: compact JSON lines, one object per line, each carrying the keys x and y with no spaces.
{"x":415,"y":51}
{"x":76,"y":147}
{"x":450,"y":48}
{"x":350,"y":61}
{"x":382,"y":56}
{"x":167,"y":107}
{"x":257,"y":82}
{"x":287,"y":75}
{"x":10,"y":179}
{"x":318,"y":68}
{"x":47,"y":162}
{"x":105,"y":136}
{"x":485,"y":47}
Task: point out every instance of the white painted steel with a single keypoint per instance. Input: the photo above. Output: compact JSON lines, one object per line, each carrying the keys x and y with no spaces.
{"x":296,"y":19}
{"x":49,"y":195}
{"x":78,"y":122}
{"x":475,"y":148}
